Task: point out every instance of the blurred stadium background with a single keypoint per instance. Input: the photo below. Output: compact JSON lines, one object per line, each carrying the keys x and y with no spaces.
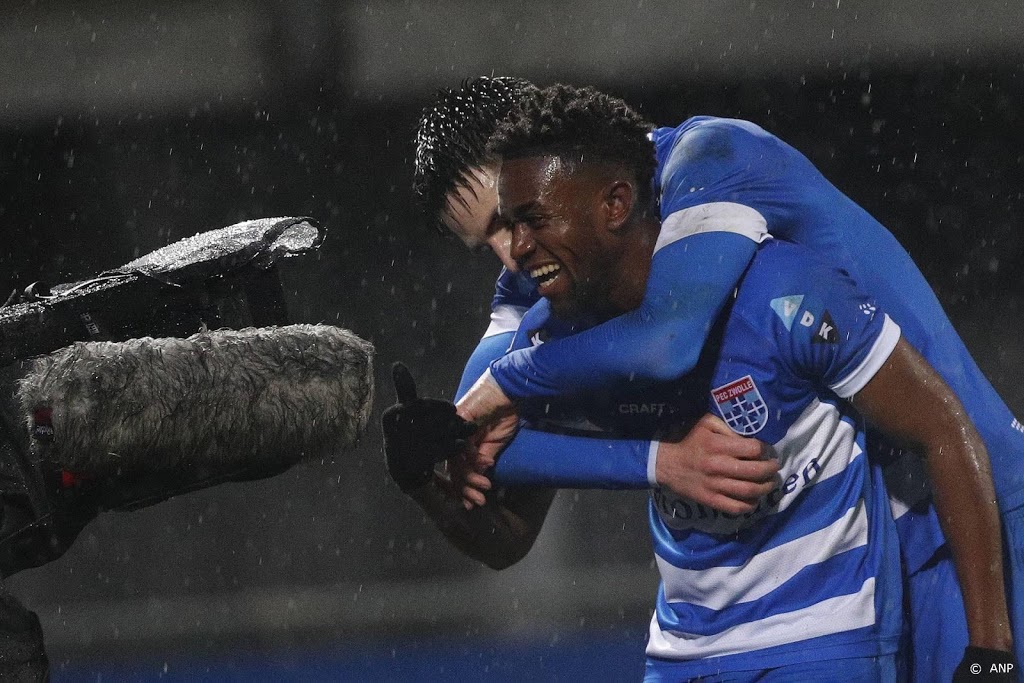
{"x":125,"y":126}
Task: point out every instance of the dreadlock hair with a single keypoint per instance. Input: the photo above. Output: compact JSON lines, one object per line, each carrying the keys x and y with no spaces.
{"x":577,"y":125}
{"x":452,"y":135}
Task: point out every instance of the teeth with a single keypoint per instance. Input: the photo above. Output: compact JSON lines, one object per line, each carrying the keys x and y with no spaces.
{"x":544,"y":270}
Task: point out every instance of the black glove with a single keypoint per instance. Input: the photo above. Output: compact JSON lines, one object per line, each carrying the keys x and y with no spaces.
{"x":981,"y":665}
{"x":419,"y":432}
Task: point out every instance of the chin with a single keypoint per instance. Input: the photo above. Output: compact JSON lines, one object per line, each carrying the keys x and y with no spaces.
{"x":566,"y":309}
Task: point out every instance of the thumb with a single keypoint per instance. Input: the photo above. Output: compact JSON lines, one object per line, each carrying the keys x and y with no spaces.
{"x":716,"y":425}
{"x":405,"y":385}
{"x":733,"y":444}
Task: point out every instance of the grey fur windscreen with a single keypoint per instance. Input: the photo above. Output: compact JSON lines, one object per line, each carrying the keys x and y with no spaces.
{"x":256,"y":397}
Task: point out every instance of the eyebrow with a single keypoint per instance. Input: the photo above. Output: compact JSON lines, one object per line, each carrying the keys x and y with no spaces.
{"x":518,"y":211}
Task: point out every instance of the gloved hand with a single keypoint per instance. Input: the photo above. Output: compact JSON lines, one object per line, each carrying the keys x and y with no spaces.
{"x":981,"y":665}
{"x":419,"y":432}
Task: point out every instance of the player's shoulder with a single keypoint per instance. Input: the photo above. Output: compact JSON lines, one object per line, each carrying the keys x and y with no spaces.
{"x":779,"y":263}
{"x":711,"y":138}
{"x":782,"y":276}
{"x":539,"y":325}
{"x":514,"y":289}
{"x":705,"y":152}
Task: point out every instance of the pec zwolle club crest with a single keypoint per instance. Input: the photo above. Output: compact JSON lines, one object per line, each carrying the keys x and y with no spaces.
{"x":741,"y":406}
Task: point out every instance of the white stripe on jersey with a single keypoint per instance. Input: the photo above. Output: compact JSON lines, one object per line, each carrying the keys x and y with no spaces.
{"x":652,"y":464}
{"x":505,"y":318}
{"x":713,"y":217}
{"x":872,"y":363}
{"x":721,"y":587}
{"x":835,"y":615}
{"x":817,"y":446}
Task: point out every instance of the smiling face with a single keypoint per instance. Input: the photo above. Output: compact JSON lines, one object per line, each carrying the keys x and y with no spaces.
{"x":559,"y":223}
{"x":471,"y":212}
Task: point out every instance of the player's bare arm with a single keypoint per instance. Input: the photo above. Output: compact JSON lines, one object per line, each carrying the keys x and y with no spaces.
{"x":486,"y":405}
{"x":908,"y":401}
{"x":421,"y":432}
{"x":498,"y":533}
{"x":714,"y":466}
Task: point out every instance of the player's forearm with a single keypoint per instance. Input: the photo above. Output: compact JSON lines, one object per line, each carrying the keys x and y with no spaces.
{"x":659,"y":341}
{"x":538,"y":458}
{"x":911,"y":404}
{"x":493,"y":534}
{"x":965,"y":500}
{"x":487,"y":350}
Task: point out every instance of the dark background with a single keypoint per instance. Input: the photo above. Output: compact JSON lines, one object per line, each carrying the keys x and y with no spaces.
{"x":126,"y":126}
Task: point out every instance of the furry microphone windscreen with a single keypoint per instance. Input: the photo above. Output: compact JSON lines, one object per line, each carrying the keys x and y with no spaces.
{"x":257,"y":397}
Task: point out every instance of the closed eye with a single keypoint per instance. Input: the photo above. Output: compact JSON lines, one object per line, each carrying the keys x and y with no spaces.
{"x":533,"y":222}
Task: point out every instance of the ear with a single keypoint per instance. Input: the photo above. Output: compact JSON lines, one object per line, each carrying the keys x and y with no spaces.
{"x":619,"y":197}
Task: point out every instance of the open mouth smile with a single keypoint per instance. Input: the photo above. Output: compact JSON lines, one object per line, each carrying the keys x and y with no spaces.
{"x":545,"y":275}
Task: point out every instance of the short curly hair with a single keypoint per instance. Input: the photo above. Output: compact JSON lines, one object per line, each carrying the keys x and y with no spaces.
{"x":452,"y":134}
{"x":575,"y":124}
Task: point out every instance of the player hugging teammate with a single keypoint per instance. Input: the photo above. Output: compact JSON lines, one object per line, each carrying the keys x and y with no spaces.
{"x":615,"y":294}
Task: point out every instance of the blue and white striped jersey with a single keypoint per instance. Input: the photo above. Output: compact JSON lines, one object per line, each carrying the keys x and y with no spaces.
{"x":816,"y":566}
{"x":724,"y":177}
{"x":729,"y":175}
{"x":814,"y":572}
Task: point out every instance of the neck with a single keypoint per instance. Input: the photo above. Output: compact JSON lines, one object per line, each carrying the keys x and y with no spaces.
{"x":629,"y":274}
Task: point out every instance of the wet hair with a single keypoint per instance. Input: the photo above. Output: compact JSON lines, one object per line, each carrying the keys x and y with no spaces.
{"x":452,"y":134}
{"x":579,"y":125}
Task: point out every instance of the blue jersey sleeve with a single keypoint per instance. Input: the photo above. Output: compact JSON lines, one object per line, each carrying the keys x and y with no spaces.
{"x":514,"y":293}
{"x":541,"y":458}
{"x":490,"y":347}
{"x":716,"y":179}
{"x":689,"y":282}
{"x":538,"y":458}
{"x":837,"y":335}
{"x":721,"y":165}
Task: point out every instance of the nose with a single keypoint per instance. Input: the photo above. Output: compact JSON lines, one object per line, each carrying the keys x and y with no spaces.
{"x":501,"y":244}
{"x":522,"y":242}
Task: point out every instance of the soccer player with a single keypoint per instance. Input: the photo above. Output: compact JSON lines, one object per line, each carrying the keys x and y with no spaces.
{"x":811,"y":575}
{"x":454,"y":182}
{"x":724,"y":184}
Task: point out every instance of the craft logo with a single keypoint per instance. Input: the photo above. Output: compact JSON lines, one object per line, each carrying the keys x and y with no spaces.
{"x":741,"y":406}
{"x":642,"y":408}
